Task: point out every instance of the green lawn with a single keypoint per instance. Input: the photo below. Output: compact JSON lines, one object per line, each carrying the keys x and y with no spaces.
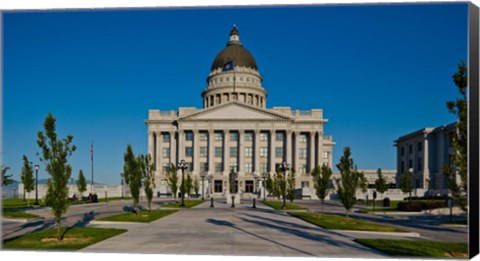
{"x":74,"y":239}
{"x":188,"y":204}
{"x":19,"y":203}
{"x":329,"y":221}
{"x":142,"y":217}
{"x":278,"y":205}
{"x":417,"y":247}
{"x":17,"y":214}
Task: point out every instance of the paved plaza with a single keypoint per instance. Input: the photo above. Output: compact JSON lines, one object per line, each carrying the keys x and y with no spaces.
{"x":226,"y":231}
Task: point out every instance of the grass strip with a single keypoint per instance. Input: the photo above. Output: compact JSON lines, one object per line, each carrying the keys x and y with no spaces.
{"x":20,"y":203}
{"x":188,"y":204}
{"x":424,"y":248}
{"x":74,"y":239}
{"x":329,"y":221}
{"x":278,"y":205}
{"x":141,"y":217}
{"x":17,"y":214}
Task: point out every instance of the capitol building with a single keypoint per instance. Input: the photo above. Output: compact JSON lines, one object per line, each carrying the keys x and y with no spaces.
{"x":235,"y":130}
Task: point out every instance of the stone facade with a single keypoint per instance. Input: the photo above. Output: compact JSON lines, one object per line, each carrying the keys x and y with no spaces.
{"x":424,"y":152}
{"x":236,"y":131}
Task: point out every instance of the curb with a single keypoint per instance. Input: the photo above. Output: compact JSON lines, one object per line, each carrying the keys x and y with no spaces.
{"x":115,"y":223}
{"x":22,"y":220}
{"x":408,"y":234}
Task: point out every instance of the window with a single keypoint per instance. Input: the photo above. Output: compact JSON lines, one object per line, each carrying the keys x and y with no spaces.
{"x":419,"y":146}
{"x":188,"y":151}
{"x":218,"y":136}
{"x":325,"y":154}
{"x":189,"y":166}
{"x":263,"y":167}
{"x":166,"y":167}
{"x":305,"y":184}
{"x":189,"y":136}
{"x":218,"y":152}
{"x":218,"y":186}
{"x":218,"y":167}
{"x":263,"y":152}
{"x":402,"y":167}
{"x":302,"y":138}
{"x":248,"y":136}
{"x":166,"y":152}
{"x":248,"y":151}
{"x":263,"y":136}
{"x":419,"y":164}
{"x":233,"y":152}
{"x":248,"y":167}
{"x":249,"y":186}
{"x":279,"y":152}
{"x":203,"y":136}
{"x":279,"y":136}
{"x":402,"y":151}
{"x":303,"y":169}
{"x":166,"y":137}
{"x":410,"y":163}
{"x":233,"y":136}
{"x":234,"y":166}
{"x":203,"y":166}
{"x":303,"y":153}
{"x":203,"y":152}
{"x":410,"y":149}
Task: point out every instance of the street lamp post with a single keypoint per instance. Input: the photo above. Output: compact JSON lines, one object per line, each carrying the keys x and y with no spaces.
{"x":182,"y":165}
{"x":232,"y":177}
{"x":203,"y":175}
{"x":264,"y":176}
{"x":410,"y":170}
{"x":36,"y":184}
{"x":285,"y":166}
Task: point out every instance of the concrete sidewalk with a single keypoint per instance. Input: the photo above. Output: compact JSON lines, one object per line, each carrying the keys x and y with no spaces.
{"x":223,"y":230}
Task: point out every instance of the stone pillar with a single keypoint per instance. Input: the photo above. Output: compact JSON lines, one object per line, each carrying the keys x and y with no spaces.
{"x":196,"y":152}
{"x":173,"y":148}
{"x":211,"y":151}
{"x":226,"y":152}
{"x":320,"y":149}
{"x":296,"y":161}
{"x":288,"y":147}
{"x":311,"y":152}
{"x":241,"y":152}
{"x":159,"y":155}
{"x":271,"y":152}
{"x":152,"y":146}
{"x":426,"y":172}
{"x":180,"y":145}
{"x":256,"y":151}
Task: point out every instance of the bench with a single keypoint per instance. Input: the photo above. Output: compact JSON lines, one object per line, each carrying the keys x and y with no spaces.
{"x":168,"y":195}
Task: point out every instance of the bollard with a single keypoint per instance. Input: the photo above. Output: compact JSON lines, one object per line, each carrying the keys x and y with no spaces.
{"x":254,"y":203}
{"x":211,"y":202}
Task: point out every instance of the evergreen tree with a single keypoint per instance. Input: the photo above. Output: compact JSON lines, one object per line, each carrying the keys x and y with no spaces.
{"x":133,"y":175}
{"x":55,"y":154}
{"x":350,"y":180}
{"x":457,"y":170}
{"x":81,"y":183}
{"x":291,"y":185}
{"x":27,"y":178}
{"x":172,"y":180}
{"x":406,"y":184}
{"x":381,"y":183}
{"x":321,"y":181}
{"x":147,"y":171}
{"x":188,"y":185}
{"x":196,"y":185}
{"x":269,"y":185}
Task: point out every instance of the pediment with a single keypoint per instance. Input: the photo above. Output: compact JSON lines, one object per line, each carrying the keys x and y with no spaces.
{"x":235,"y":111}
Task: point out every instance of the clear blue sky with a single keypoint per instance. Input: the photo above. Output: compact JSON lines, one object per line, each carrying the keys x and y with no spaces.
{"x":377,"y":71}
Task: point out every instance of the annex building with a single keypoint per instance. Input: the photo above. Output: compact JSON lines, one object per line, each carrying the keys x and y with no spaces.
{"x":235,"y":130}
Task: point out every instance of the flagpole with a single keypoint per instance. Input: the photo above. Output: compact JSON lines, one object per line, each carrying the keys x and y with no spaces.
{"x":91,"y":154}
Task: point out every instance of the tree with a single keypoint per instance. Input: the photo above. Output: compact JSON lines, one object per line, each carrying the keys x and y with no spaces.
{"x":457,"y":170}
{"x":132,"y":174}
{"x":269,"y":185}
{"x":321,"y":181}
{"x":6,"y":179}
{"x":188,"y":185}
{"x":196,"y":185}
{"x":278,"y":185}
{"x":81,"y":183}
{"x":172,"y":179}
{"x":55,"y":154}
{"x":27,"y":177}
{"x":406,"y":184}
{"x":291,"y":185}
{"x":147,"y":170}
{"x":381,"y":183}
{"x":350,"y":180}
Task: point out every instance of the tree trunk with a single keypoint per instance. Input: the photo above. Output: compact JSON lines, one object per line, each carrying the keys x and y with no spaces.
{"x":322,"y":207}
{"x":347,"y":216}
{"x":59,"y":235}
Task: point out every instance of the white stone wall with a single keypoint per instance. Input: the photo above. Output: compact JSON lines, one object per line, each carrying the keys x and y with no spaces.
{"x":101,"y":190}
